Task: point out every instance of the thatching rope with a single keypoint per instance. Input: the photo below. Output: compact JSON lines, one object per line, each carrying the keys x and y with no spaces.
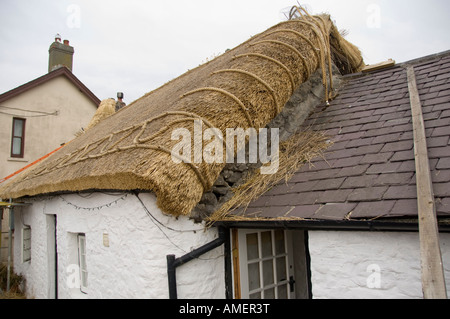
{"x":257,"y":78}
{"x":291,"y":77}
{"x":233,"y":97}
{"x":307,"y":70}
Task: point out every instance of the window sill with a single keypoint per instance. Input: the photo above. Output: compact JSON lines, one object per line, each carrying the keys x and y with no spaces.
{"x":14,"y":159}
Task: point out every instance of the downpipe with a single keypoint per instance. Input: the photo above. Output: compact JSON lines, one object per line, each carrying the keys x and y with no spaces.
{"x":173,"y":263}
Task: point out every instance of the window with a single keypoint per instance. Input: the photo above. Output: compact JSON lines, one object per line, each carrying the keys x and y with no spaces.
{"x":82,"y":263}
{"x":18,"y":138}
{"x":26,"y":244}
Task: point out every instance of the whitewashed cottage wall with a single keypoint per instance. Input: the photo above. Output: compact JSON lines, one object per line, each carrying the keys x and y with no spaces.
{"x":133,"y":266}
{"x":356,"y":265}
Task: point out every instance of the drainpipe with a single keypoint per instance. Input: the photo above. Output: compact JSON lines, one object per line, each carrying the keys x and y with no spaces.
{"x":173,"y":263}
{"x":11,"y":228}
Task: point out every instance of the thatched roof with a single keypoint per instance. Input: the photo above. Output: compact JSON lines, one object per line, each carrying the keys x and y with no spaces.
{"x":245,"y":87}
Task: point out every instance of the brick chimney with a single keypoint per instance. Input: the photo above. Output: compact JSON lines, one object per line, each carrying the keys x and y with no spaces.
{"x":60,"y":54}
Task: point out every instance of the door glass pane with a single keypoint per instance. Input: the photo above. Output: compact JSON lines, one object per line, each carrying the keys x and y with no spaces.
{"x":279,"y":242}
{"x":17,"y":146}
{"x":266,"y":244}
{"x":252,"y":246}
{"x":282,"y":292}
{"x":268,"y":272}
{"x":269,"y":293}
{"x":253,"y":276}
{"x":255,"y":296}
{"x":281,"y":269}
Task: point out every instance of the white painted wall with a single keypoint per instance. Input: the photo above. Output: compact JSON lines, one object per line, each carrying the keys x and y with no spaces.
{"x":133,"y":266}
{"x":343,"y":263}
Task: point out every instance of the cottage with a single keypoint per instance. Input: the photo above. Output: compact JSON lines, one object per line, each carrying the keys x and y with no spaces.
{"x":111,"y":215}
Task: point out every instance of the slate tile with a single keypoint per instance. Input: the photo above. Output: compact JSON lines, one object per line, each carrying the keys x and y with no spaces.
{"x":387,"y":138}
{"x":369,"y":149}
{"x":367,"y":194}
{"x":307,"y":198}
{"x":398,"y":146}
{"x":401,"y":192}
{"x":441,"y":189}
{"x":395,"y":122}
{"x":439,"y":100}
{"x":359,"y":142}
{"x":403,"y":156}
{"x":334,"y":196}
{"x":440,"y":176}
{"x":280,"y":189}
{"x":443,"y":206}
{"x":348,"y":162}
{"x":393,"y":179}
{"x":405,"y":207}
{"x":441,"y":107}
{"x":372,"y":209}
{"x":439,"y":141}
{"x":444,"y":163}
{"x":334,"y":211}
{"x":353,"y":170}
{"x":358,"y":182}
{"x":303,"y":187}
{"x":407,"y":166}
{"x":328,"y":184}
{"x":377,"y":158}
{"x":439,"y":152}
{"x":383,"y":168}
{"x":304,"y":211}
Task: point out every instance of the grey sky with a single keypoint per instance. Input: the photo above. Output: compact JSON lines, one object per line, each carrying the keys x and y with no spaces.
{"x":136,"y":46}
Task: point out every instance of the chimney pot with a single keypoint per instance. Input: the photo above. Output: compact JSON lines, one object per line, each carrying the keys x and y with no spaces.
{"x":60,"y":54}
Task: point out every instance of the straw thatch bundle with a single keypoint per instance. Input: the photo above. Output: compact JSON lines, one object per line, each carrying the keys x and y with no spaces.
{"x":106,"y":109}
{"x":295,"y":152}
{"x":245,"y":87}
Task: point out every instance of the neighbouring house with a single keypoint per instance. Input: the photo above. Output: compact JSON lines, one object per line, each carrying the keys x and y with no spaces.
{"x":121,"y":212}
{"x":41,"y":115}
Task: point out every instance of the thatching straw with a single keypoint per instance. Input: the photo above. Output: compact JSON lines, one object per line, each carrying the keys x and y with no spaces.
{"x":297,"y":151}
{"x":106,"y":109}
{"x":130,"y":150}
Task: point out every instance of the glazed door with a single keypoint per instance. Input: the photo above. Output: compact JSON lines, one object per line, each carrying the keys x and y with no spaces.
{"x":266,"y":264}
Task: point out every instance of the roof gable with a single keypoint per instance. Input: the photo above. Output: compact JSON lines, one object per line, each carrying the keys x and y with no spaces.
{"x":63,"y":71}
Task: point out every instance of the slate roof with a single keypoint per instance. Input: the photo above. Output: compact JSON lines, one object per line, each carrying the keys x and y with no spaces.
{"x":369,"y":171}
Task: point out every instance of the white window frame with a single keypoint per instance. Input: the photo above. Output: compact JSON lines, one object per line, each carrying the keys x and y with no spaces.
{"x":26,"y":244}
{"x":82,"y":262}
{"x":244,"y":262}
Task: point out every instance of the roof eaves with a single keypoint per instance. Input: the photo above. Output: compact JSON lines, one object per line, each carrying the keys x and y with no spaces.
{"x":331,"y":225}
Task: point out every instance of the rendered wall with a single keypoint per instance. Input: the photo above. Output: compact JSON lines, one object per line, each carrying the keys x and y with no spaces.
{"x":365,"y":265}
{"x":133,"y":266}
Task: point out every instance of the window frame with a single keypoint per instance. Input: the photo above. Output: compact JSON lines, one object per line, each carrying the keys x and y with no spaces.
{"x":26,"y":230}
{"x":22,"y":138}
{"x":82,"y":262}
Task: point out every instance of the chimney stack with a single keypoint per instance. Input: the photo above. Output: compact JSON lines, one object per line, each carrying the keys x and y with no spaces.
{"x":60,"y":55}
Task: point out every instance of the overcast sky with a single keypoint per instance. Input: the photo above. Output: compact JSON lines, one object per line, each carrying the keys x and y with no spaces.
{"x":135,"y":46}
